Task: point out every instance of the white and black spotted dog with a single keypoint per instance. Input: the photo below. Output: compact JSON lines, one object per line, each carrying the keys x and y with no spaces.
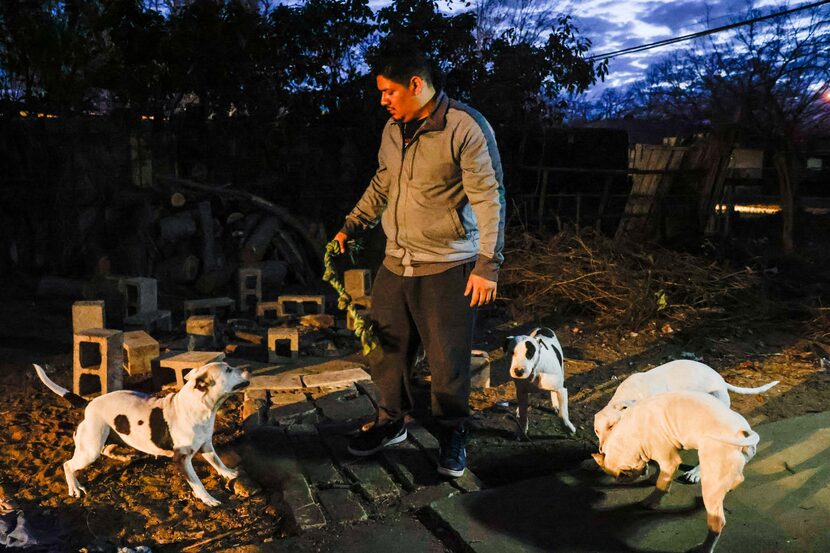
{"x":537,"y":360}
{"x":177,"y":425}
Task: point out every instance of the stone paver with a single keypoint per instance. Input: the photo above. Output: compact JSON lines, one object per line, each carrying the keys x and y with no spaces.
{"x":782,"y":506}
{"x":346,"y":406}
{"x":285,"y":415}
{"x":335,"y":378}
{"x":313,"y":456}
{"x":342,"y":505}
{"x":276,"y":382}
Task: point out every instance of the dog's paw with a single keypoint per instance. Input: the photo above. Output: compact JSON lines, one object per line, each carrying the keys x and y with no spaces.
{"x":208,"y":499}
{"x":692,"y":476}
{"x":77,"y":490}
{"x":570,"y":427}
{"x":229,"y":474}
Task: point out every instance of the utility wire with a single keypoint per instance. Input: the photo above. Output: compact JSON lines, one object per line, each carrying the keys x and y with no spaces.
{"x":651,"y":45}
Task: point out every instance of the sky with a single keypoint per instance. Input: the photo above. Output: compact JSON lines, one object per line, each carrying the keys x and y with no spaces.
{"x":614,"y":24}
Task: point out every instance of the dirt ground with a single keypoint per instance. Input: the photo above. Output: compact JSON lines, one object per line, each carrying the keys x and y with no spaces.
{"x":146,"y":502}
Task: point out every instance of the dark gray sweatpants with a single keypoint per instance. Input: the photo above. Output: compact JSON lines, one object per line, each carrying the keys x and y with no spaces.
{"x":434,"y":311}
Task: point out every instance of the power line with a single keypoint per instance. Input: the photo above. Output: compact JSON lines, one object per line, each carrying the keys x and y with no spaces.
{"x":666,"y":42}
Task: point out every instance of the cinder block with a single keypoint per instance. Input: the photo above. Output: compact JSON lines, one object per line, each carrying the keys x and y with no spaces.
{"x":150,"y":321}
{"x":358,"y":282}
{"x":88,"y":314}
{"x":363,"y":301}
{"x":140,"y":295}
{"x":201,"y":332}
{"x":98,"y":354}
{"x":207,"y":306}
{"x":250,"y":288}
{"x":139,"y":351}
{"x":479,"y":369}
{"x":183,"y":363}
{"x":301,"y":305}
{"x":363,"y":312}
{"x":268,"y":309}
{"x":283,"y":334}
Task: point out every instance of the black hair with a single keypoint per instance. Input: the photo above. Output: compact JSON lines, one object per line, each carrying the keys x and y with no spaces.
{"x":398,"y":59}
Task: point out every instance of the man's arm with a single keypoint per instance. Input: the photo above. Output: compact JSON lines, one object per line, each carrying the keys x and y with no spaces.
{"x":372,"y":203}
{"x":481,"y":173}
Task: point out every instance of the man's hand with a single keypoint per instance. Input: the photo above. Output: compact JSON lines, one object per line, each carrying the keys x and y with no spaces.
{"x":483,"y":290}
{"x":341,"y":238}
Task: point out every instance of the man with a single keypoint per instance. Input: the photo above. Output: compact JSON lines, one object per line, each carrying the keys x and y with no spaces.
{"x":438,"y":192}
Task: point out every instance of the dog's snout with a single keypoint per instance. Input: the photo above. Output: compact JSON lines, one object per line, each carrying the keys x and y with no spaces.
{"x":520,"y":372}
{"x":246,"y":375}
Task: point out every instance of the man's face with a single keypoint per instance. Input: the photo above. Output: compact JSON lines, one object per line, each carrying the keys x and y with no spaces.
{"x":400,"y":101}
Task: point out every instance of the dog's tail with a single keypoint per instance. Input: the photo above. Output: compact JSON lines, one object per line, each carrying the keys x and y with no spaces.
{"x":74,"y":399}
{"x":751,"y":438}
{"x":758,"y":390}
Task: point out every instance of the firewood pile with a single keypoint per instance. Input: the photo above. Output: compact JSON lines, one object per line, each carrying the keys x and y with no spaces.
{"x":589,"y":274}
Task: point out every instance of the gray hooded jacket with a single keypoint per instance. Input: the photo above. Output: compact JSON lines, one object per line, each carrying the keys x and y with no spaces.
{"x":441,"y":199}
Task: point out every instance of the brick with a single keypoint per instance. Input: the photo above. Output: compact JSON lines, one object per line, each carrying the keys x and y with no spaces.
{"x":300,"y":305}
{"x":88,"y":314}
{"x":335,"y":378}
{"x":99,"y":354}
{"x":374,"y":482}
{"x":304,"y":512}
{"x":313,"y":456}
{"x":183,"y":363}
{"x":358,"y":282}
{"x":278,"y":382}
{"x":287,"y":398}
{"x":410,"y":465}
{"x":342,"y":505}
{"x":281,"y":334}
{"x":139,"y":351}
{"x":250,"y":394}
{"x":422,"y":497}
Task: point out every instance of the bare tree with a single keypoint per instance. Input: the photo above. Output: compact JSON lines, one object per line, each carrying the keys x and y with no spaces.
{"x":526,"y":21}
{"x":767,"y":82}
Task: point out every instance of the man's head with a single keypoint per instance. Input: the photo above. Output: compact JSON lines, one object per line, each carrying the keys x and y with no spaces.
{"x":405,"y":79}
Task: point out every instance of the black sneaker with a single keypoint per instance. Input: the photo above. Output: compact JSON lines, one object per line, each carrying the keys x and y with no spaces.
{"x":370,"y":441}
{"x":452,"y":452}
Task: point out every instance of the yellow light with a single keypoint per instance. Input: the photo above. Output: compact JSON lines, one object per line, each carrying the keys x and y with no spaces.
{"x":24,"y":114}
{"x":756,"y":209}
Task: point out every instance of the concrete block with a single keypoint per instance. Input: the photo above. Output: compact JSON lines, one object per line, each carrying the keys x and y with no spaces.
{"x":479,"y":370}
{"x":201,"y":332}
{"x":346,"y":406}
{"x":342,"y":505}
{"x":369,"y":389}
{"x":277,"y":382}
{"x":207,"y":306}
{"x":363,"y":301}
{"x":335,"y":378}
{"x":317,"y":321}
{"x":150,"y":321}
{"x":350,"y":321}
{"x":286,"y":415}
{"x":139,"y":351}
{"x":300,"y":305}
{"x":358,"y":282}
{"x":98,"y":358}
{"x":250,"y":288}
{"x":88,"y":314}
{"x":268,"y":309}
{"x":277,"y":336}
{"x":183,"y":363}
{"x":140,"y":295}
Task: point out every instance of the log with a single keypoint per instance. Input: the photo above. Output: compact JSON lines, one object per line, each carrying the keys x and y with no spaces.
{"x":181,"y":269}
{"x":58,"y":287}
{"x":259,"y":241}
{"x":177,"y":199}
{"x":273,"y":273}
{"x":208,"y":239}
{"x":177,"y":227}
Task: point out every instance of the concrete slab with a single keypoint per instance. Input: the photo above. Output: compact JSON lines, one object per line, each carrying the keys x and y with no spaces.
{"x":277,"y":382}
{"x":782,"y":506}
{"x":341,"y":505}
{"x":336,"y":378}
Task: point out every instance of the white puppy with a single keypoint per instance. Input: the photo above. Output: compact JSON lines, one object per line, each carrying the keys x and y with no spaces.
{"x":656,"y":428}
{"x":674,"y":376}
{"x":537,"y":359}
{"x":177,"y":425}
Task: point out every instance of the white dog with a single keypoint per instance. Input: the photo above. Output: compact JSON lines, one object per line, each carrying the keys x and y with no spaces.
{"x":656,"y":428}
{"x":675,"y":376}
{"x":177,"y":425}
{"x":537,"y":359}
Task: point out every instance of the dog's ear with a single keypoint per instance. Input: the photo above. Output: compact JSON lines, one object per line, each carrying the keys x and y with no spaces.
{"x":204,"y":382}
{"x":599,"y":458}
{"x":530,"y":349}
{"x":196,"y":373}
{"x":509,"y":344}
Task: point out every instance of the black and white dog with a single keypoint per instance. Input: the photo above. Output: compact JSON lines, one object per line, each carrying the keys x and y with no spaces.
{"x":537,"y":360}
{"x":177,"y":425}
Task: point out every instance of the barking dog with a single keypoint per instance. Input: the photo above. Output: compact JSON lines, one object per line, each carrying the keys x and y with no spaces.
{"x":537,"y":359}
{"x":177,"y":425}
{"x":657,"y":427}
{"x":675,"y":376}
